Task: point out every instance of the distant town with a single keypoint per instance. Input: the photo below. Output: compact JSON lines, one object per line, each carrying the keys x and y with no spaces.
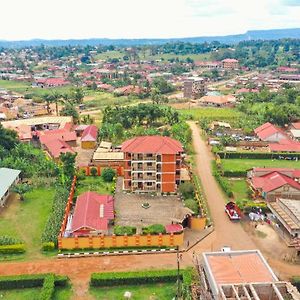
{"x":163,"y":171}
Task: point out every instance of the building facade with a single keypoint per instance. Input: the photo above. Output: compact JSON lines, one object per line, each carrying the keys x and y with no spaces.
{"x":194,"y":87}
{"x":152,"y":164}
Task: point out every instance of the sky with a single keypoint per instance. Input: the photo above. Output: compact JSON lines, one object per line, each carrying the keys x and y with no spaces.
{"x":66,"y":19}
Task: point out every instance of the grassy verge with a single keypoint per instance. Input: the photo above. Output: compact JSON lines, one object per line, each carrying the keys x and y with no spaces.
{"x":95,"y":184}
{"x":239,"y":188}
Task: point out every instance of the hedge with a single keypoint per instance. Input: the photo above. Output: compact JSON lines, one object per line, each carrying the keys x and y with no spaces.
{"x":29,"y":281}
{"x":48,"y":288}
{"x":122,"y":230}
{"x":133,"y":278}
{"x":8,"y":240}
{"x":228,"y":173}
{"x":12,"y":249}
{"x":296,"y":282}
{"x":222,"y":182}
{"x":154,"y":229}
{"x":256,"y":155}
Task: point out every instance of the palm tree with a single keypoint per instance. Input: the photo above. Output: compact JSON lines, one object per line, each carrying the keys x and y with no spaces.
{"x":21,"y":189}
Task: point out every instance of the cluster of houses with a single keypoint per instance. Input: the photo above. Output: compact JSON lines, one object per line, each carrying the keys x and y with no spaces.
{"x":55,"y":135}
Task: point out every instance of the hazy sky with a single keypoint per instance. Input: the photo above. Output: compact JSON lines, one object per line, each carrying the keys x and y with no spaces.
{"x":26,"y":19}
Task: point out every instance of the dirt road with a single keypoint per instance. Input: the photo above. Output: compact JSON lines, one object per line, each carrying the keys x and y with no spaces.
{"x":226,"y":233}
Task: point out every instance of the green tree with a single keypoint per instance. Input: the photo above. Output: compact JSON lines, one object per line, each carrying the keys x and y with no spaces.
{"x":69,"y":109}
{"x":108,"y":174}
{"x":21,"y":189}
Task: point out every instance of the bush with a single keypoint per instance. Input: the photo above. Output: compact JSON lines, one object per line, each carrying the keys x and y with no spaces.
{"x":48,"y":246}
{"x":93,"y":171}
{"x":132,"y":278}
{"x":12,"y":249}
{"x":296,"y":282}
{"x":108,"y":174}
{"x":187,"y":190}
{"x":154,"y":229}
{"x":228,"y":173}
{"x":8,"y":240}
{"x":122,"y":230}
{"x":192,"y":204}
{"x":247,"y":206}
{"x":48,"y":288}
{"x":29,"y":281}
{"x":222,"y":182}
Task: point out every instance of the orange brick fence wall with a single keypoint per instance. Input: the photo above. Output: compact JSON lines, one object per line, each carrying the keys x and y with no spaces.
{"x":113,"y":241}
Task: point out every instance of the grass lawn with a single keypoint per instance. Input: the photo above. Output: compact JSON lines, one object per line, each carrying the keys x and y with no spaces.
{"x":62,"y":293}
{"x":26,"y":88}
{"x":20,"y":294}
{"x":162,"y":291}
{"x":93,"y":183}
{"x":245,"y":164}
{"x":26,"y":220}
{"x":213,"y":114}
{"x":110,"y":54}
{"x":239,"y":188}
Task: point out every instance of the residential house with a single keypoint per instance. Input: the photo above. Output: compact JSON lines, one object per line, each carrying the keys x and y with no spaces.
{"x":89,"y":137}
{"x":275,"y":184}
{"x":108,"y":159}
{"x":93,"y":214}
{"x":287,"y":214}
{"x":218,"y":101}
{"x":285,"y":145}
{"x":270,"y":133}
{"x":56,"y":147}
{"x":8,"y":177}
{"x":65,"y":135}
{"x":237,"y":275}
{"x":152,"y":164}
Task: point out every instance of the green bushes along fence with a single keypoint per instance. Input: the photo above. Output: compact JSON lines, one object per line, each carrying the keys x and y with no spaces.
{"x":224,"y":184}
{"x":257,"y":155}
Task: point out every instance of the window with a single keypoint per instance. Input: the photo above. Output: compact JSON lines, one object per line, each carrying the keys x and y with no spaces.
{"x":149,"y":174}
{"x":149,"y":183}
{"x":149,"y":164}
{"x":177,"y":172}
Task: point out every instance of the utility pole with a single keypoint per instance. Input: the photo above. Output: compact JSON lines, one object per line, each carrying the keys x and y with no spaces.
{"x":178,"y":277}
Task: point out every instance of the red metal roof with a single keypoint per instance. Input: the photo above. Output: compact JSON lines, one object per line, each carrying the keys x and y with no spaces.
{"x":93,"y":211}
{"x":57,"y":147}
{"x":285,"y":145}
{"x":295,"y":173}
{"x":61,"y":134}
{"x":173,"y":228}
{"x":273,"y":181}
{"x":152,"y":144}
{"x":296,"y":125}
{"x":90,"y":134}
{"x":267,"y":130}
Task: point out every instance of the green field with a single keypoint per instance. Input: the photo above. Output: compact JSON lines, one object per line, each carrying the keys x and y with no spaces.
{"x":26,"y":88}
{"x":239,"y":188}
{"x":20,"y":294}
{"x":246,"y":164}
{"x":213,"y":114}
{"x":162,"y":291}
{"x":26,"y":220}
{"x":110,"y":55}
{"x":93,"y":183}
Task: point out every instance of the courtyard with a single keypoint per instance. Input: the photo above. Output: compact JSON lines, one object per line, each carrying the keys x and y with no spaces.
{"x":161,"y":209}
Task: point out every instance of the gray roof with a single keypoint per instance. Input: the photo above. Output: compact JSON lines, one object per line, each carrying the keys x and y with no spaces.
{"x":7,"y":177}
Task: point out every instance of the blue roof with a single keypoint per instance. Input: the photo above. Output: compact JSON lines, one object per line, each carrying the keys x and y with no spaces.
{"x":7,"y":177}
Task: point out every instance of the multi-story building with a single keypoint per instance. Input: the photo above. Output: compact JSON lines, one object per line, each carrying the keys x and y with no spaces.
{"x":152,"y":164}
{"x":194,"y":87}
{"x":230,"y":64}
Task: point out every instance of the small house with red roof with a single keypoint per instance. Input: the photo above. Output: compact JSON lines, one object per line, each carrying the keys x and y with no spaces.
{"x":275,"y":184}
{"x":57,"y":147}
{"x":93,"y":214}
{"x":152,"y":164}
{"x":270,"y":133}
{"x":89,"y":137}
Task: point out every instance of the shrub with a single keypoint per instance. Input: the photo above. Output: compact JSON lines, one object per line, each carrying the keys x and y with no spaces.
{"x":48,"y":246}
{"x":48,"y":288}
{"x":8,"y":240}
{"x":108,"y":174}
{"x":154,"y":229}
{"x":187,"y":190}
{"x":29,"y":281}
{"x":93,"y":171}
{"x":12,"y":249}
{"x":247,"y":206}
{"x":133,"y":278}
{"x":192,"y":204}
{"x":296,"y":282}
{"x":222,"y":181}
{"x":122,"y":230}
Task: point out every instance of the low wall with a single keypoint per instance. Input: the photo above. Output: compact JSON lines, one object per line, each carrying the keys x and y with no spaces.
{"x":103,"y":241}
{"x":119,"y":169}
{"x":196,"y":223}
